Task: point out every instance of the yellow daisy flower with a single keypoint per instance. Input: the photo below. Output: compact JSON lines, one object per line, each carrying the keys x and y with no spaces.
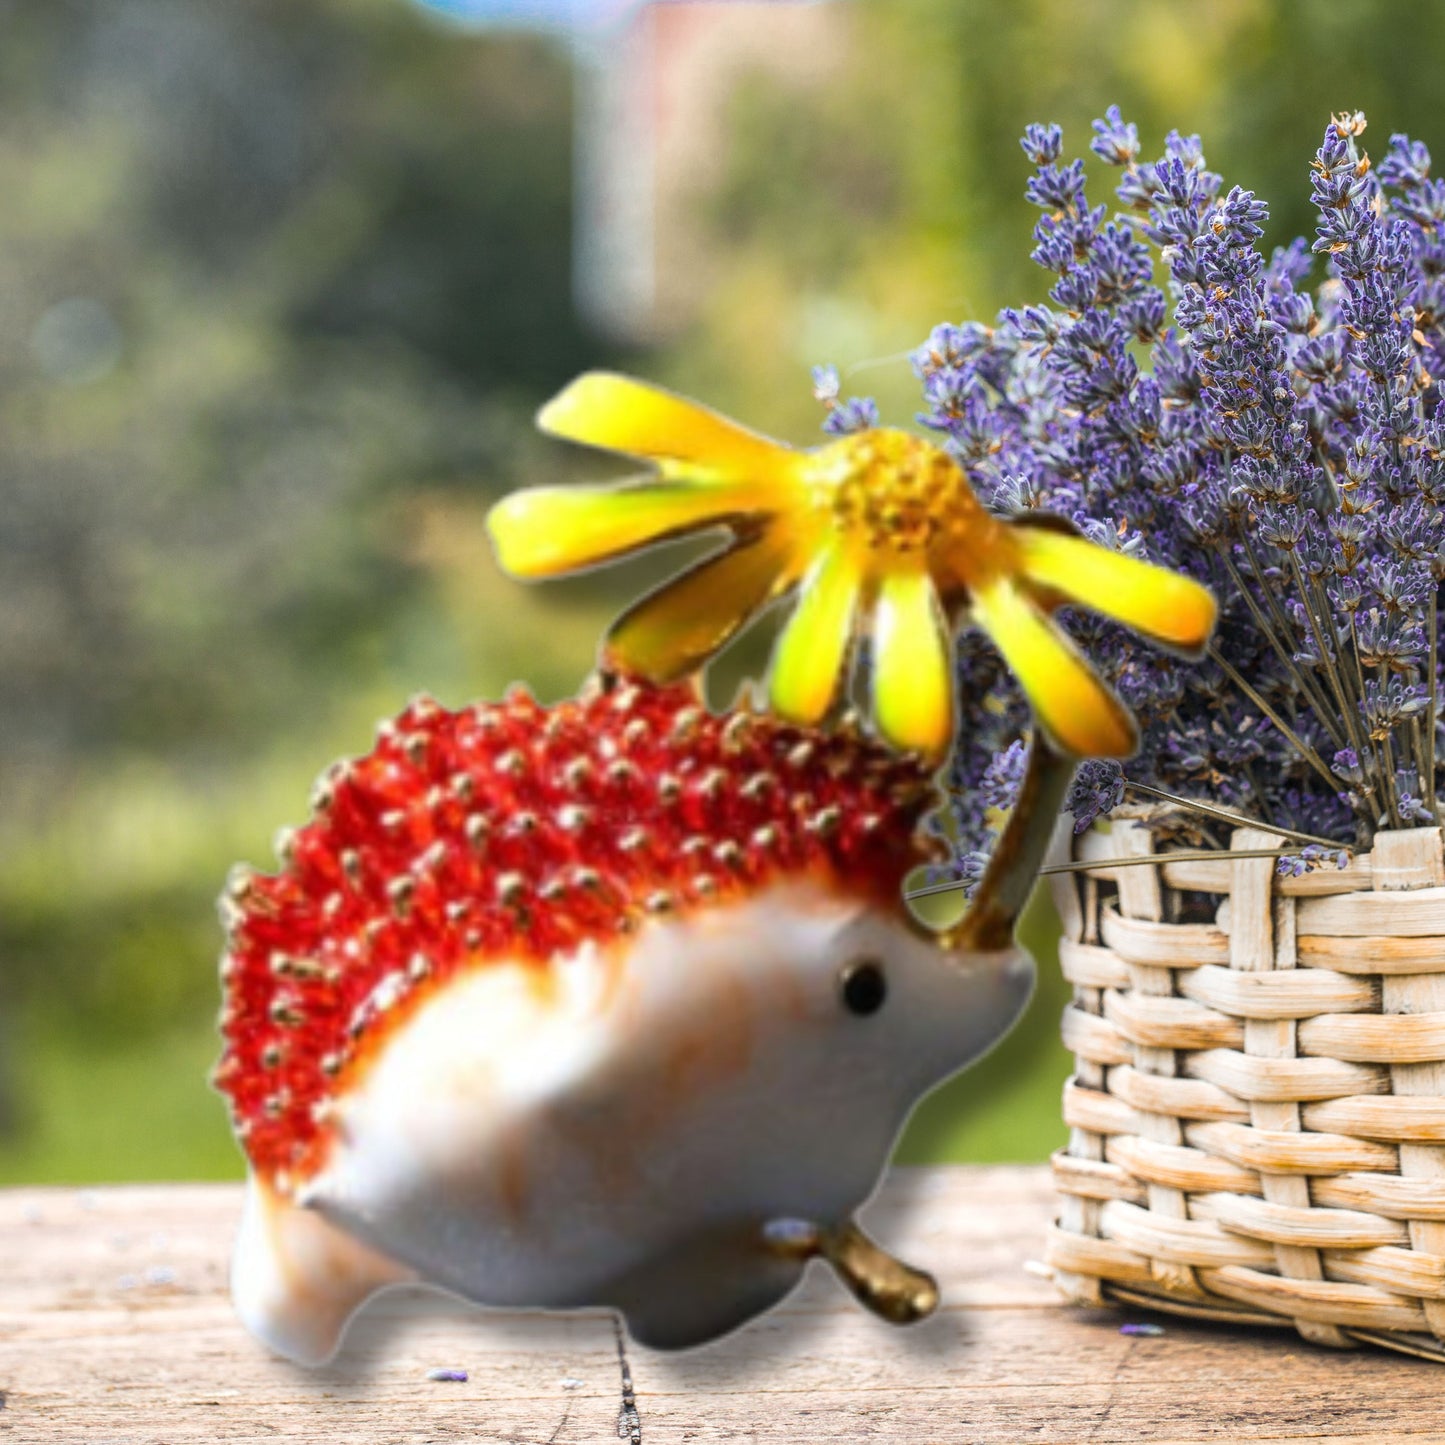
{"x":878,"y":533}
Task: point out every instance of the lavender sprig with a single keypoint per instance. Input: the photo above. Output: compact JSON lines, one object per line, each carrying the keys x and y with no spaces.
{"x":1269,"y":424}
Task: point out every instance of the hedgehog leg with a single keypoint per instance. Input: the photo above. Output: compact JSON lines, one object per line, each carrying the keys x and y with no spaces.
{"x":297,"y":1279}
{"x":892,"y":1290}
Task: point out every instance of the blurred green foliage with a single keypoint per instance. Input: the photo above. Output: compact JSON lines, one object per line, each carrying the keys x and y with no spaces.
{"x":280,"y":286}
{"x":281,"y":283}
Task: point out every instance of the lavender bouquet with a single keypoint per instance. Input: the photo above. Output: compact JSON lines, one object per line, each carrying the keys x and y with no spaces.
{"x":1270,"y":425}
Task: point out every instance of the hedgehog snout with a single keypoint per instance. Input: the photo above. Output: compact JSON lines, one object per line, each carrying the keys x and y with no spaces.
{"x":964,"y":1001}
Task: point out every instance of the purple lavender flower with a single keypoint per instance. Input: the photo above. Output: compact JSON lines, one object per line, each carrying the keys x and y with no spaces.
{"x":826,"y":385}
{"x":1098,"y":788}
{"x":856,"y":413}
{"x":1311,"y":857}
{"x":1269,"y":424}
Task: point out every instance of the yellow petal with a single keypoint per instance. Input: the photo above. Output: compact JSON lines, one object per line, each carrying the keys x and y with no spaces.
{"x":623,"y":415}
{"x":808,"y":664}
{"x":912,"y":683}
{"x":542,"y":531}
{"x":1076,"y":707}
{"x":1153,"y":600}
{"x":675,"y":629}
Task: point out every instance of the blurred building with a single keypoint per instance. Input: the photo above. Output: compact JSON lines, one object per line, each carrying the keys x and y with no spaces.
{"x":654,"y":79}
{"x":652,"y":126}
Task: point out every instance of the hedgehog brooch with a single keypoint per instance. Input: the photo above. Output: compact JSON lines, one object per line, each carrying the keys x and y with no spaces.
{"x":614,"y":1002}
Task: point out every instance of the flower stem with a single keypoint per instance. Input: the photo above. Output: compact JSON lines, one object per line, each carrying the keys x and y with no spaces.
{"x":1428,"y":763}
{"x":1182,"y":855}
{"x":1417,"y":757}
{"x":1301,"y":746}
{"x":1387,"y":747}
{"x":1375,"y":754}
{"x":1281,"y":651}
{"x":1306,"y":675}
{"x":1316,"y":605}
{"x":1223,"y":815}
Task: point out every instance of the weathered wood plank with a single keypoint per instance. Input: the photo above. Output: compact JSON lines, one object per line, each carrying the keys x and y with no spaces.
{"x":115,"y":1327}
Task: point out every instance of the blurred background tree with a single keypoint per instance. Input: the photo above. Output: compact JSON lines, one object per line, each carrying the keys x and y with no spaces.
{"x":281,"y":283}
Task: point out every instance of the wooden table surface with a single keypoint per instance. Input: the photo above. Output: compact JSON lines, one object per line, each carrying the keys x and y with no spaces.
{"x":116,"y":1329}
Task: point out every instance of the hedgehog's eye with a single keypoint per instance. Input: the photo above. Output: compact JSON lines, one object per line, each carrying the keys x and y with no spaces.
{"x":863,"y":986}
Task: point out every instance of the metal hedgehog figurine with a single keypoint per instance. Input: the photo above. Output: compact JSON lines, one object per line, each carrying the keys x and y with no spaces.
{"x":617,"y":1002}
{"x":609,"y":1003}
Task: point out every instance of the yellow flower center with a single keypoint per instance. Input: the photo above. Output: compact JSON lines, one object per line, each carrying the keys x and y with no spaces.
{"x":891,"y":491}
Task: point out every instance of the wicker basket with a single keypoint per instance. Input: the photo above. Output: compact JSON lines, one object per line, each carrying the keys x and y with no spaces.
{"x":1257,"y":1117}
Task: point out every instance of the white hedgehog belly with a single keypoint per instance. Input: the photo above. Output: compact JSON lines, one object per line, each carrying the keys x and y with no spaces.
{"x":451,"y":1154}
{"x":539,"y":1136}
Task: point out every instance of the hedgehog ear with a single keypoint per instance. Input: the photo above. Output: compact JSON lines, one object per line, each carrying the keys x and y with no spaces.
{"x":988,"y":926}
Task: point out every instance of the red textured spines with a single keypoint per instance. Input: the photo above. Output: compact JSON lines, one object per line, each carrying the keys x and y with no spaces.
{"x":516,"y":831}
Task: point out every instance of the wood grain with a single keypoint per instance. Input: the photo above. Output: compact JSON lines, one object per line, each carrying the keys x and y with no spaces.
{"x":115,"y":1327}
{"x":1418,"y":914}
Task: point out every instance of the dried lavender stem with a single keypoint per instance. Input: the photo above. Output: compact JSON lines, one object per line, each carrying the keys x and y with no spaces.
{"x":1417,"y":753}
{"x":1327,"y":467}
{"x":1342,"y":702}
{"x":1182,"y":855}
{"x":1433,"y":623}
{"x":1351,"y":709}
{"x":1307,"y":677}
{"x":1262,"y":622}
{"x":1303,"y":748}
{"x":1348,"y":709}
{"x":1223,"y":815}
{"x":1282,"y":652}
{"x":1374,"y":750}
{"x":1266,"y":812}
{"x":1392,"y":795}
{"x":1354,"y":723}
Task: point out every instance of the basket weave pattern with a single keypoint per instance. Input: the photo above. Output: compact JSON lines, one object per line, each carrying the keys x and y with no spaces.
{"x":1257,"y":1114}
